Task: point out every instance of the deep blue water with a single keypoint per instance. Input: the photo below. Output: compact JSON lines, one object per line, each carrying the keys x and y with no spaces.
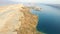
{"x":49,"y":19}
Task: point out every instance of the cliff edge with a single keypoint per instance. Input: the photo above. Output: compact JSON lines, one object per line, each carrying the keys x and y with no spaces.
{"x":18,"y":20}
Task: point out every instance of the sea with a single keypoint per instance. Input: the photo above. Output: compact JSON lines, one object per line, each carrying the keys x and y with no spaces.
{"x":48,"y":19}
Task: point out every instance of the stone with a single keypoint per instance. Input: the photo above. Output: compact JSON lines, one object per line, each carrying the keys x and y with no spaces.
{"x":17,"y":19}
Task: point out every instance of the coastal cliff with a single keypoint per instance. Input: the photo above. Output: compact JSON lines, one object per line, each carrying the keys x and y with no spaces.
{"x":26,"y":21}
{"x":28,"y":25}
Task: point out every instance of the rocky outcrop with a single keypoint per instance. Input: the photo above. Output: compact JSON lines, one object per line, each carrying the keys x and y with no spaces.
{"x":18,"y":20}
{"x":29,"y":24}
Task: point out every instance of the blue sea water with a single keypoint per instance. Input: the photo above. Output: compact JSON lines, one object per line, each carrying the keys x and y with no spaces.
{"x":48,"y":19}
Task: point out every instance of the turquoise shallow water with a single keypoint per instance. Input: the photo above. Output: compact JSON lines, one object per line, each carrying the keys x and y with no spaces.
{"x":49,"y":19}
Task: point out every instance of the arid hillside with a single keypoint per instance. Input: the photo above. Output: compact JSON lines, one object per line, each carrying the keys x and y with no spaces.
{"x":26,"y":21}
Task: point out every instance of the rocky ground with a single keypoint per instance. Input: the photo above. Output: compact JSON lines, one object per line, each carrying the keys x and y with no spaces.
{"x":28,"y":23}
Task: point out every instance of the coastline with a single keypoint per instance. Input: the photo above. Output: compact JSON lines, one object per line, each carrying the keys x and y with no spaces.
{"x":28,"y":21}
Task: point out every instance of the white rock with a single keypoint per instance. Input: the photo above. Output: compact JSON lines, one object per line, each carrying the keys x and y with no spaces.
{"x":9,"y":19}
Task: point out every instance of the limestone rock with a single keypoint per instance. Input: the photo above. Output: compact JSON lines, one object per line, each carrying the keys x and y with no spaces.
{"x":28,"y":25}
{"x":17,"y":19}
{"x":9,"y":19}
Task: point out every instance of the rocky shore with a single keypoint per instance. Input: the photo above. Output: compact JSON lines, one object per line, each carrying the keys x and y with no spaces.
{"x":26,"y":21}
